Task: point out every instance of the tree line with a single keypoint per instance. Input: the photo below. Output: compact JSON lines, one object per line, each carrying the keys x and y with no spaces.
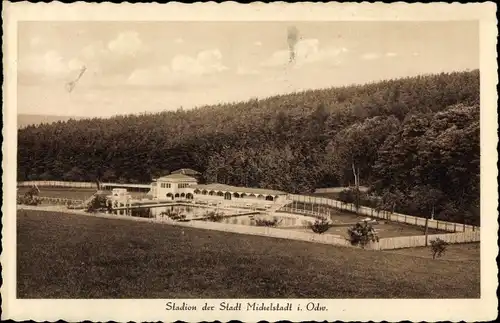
{"x":414,"y":141}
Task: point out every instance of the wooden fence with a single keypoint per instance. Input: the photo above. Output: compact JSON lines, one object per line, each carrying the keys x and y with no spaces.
{"x":419,"y":241}
{"x":363,"y":210}
{"x":63,"y":184}
{"x":57,"y":184}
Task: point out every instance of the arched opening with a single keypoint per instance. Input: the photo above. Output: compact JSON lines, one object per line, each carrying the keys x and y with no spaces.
{"x":189,"y":196}
{"x":227,"y":196}
{"x":260,"y":197}
{"x":236,"y":195}
{"x":204,"y":192}
{"x":252,"y":196}
{"x":211,"y":193}
{"x":269,"y":198}
{"x":183,"y":195}
{"x":219,"y":193}
{"x":243,"y":195}
{"x":169,"y":195}
{"x":176,"y":195}
{"x":197,"y":191}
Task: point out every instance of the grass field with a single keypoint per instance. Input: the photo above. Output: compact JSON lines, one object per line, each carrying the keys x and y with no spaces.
{"x":76,"y":256}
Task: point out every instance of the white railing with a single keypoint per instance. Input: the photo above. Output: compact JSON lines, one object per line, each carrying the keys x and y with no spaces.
{"x":317,"y":202}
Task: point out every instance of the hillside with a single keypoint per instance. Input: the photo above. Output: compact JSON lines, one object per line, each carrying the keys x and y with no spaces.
{"x":24,"y":120}
{"x":415,"y":140}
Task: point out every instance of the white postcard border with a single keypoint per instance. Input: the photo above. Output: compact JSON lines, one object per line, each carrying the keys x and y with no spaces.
{"x":342,"y":309}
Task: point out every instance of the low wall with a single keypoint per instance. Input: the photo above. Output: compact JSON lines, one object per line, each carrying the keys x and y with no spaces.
{"x":59,"y":201}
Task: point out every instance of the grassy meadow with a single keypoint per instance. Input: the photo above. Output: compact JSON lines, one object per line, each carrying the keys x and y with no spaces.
{"x":76,"y":256}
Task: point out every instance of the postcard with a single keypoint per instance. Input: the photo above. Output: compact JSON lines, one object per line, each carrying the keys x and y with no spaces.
{"x":202,"y":162}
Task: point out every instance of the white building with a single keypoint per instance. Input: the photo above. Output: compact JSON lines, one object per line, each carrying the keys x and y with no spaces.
{"x":182,"y":187}
{"x":173,"y":187}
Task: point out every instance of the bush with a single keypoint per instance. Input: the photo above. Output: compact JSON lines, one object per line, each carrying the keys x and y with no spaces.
{"x":347,"y":196}
{"x":174,"y":215}
{"x":29,"y":200}
{"x":362,"y":233}
{"x":30,"y":197}
{"x":320,"y":226}
{"x":438,"y":247}
{"x":97,"y":204}
{"x":214,"y":216}
{"x":267,"y":223}
{"x":141,"y":213}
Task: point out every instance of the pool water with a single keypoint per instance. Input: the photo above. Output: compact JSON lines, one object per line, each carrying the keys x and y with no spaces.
{"x":231,"y":215}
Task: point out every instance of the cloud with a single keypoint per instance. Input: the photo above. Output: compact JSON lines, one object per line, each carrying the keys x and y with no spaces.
{"x":391,"y":54}
{"x":126,"y":43}
{"x":307,"y":51}
{"x":181,"y":72}
{"x":148,"y":77}
{"x":246,"y":71}
{"x":50,"y":63}
{"x":120,"y":55}
{"x":370,"y":56}
{"x":206,"y":62}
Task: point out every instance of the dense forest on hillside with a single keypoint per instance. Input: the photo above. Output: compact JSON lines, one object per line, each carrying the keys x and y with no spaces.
{"x":415,"y":141}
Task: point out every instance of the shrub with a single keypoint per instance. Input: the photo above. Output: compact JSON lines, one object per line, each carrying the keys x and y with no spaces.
{"x":29,"y":200}
{"x":174,"y":215}
{"x":438,"y":247}
{"x":97,"y":204}
{"x":267,"y":223}
{"x":141,"y":213}
{"x":320,"y":226}
{"x":362,"y":233}
{"x":347,"y":195}
{"x":30,"y":197}
{"x":214,"y":216}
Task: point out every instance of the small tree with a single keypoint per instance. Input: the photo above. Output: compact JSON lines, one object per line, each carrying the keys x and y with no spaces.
{"x":362,"y":233}
{"x":320,"y":226}
{"x":438,"y":247}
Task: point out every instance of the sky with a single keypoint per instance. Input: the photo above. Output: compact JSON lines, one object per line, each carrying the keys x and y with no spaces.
{"x":137,"y":67}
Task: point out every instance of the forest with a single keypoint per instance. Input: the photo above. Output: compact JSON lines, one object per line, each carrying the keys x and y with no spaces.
{"x":414,"y":141}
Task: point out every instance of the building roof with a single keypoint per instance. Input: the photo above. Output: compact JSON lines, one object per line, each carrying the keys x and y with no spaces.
{"x":176,"y":177}
{"x":229,"y":188}
{"x":186,"y":171}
